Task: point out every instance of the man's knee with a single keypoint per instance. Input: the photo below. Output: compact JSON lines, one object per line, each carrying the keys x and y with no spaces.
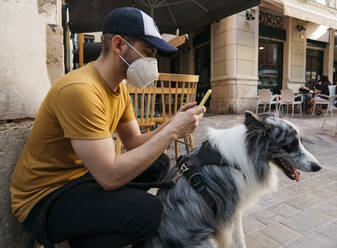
{"x":164,"y":163}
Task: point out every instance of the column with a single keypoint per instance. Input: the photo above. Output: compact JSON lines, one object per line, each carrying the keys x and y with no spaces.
{"x":294,"y":55}
{"x":234,"y":63}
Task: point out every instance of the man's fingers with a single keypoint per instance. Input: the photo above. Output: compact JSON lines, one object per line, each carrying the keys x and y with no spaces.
{"x":197,"y":110}
{"x":187,"y":106}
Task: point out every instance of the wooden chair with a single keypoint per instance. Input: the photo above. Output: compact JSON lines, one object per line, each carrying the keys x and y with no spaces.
{"x":143,"y":102}
{"x":174,"y":91}
{"x":157,"y":103}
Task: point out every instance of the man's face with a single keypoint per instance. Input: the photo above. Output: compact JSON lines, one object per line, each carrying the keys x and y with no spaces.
{"x":131,"y":55}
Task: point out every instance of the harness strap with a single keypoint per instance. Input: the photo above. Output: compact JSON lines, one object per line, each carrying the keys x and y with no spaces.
{"x":196,"y":180}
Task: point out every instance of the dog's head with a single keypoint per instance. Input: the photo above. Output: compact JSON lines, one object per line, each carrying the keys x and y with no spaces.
{"x":281,"y":143}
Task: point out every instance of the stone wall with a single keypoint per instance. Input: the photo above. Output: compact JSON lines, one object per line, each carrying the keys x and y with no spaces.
{"x":55,"y":53}
{"x":24,"y":80}
{"x":31,"y":53}
{"x":51,"y":13}
{"x":12,"y":139}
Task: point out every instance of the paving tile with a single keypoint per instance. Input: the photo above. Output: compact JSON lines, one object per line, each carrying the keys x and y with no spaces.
{"x":305,"y":201}
{"x":306,"y":186}
{"x":260,"y":240}
{"x":260,"y":204}
{"x":250,"y":224}
{"x":323,"y":180}
{"x":333,"y":186}
{"x":332,"y":175}
{"x":306,"y":221}
{"x":325,"y":192}
{"x":329,"y":230}
{"x":281,"y":195}
{"x":284,"y":210}
{"x":328,"y":208}
{"x":280,"y":233}
{"x":312,"y":240}
{"x":267,"y":217}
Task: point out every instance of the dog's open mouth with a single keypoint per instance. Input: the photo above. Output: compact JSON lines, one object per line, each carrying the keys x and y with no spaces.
{"x":290,"y":171}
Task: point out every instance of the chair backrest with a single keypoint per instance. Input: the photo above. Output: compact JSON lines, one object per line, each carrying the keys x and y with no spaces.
{"x":173,"y":91}
{"x":332,"y":90}
{"x":287,"y":96}
{"x":143,"y":101}
{"x":264,"y":96}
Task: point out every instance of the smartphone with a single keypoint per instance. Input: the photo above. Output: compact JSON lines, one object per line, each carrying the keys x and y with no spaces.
{"x":204,"y":99}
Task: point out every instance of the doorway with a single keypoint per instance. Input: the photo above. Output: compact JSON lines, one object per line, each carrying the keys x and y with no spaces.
{"x":314,"y":67}
{"x":270,"y":65}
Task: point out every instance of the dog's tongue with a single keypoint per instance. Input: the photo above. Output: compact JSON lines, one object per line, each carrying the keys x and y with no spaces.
{"x":297,"y":175}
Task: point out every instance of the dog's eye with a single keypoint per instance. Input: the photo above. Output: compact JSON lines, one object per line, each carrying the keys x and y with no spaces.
{"x":291,"y":147}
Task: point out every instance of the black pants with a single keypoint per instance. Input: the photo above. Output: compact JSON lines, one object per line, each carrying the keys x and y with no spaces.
{"x":89,"y":216}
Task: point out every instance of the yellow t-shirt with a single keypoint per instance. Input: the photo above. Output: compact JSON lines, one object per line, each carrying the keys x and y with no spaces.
{"x":79,"y":106}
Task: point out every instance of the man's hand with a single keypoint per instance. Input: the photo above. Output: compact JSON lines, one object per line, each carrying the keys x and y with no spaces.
{"x":186,"y":119}
{"x":187,"y":106}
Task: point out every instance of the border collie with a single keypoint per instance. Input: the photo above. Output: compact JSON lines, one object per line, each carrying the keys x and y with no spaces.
{"x":255,"y":150}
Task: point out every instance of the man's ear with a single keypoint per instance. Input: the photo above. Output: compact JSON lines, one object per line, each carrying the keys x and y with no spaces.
{"x":117,"y":44}
{"x":254,"y":122}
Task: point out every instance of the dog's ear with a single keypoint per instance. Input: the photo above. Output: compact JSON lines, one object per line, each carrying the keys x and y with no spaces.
{"x":254,"y":122}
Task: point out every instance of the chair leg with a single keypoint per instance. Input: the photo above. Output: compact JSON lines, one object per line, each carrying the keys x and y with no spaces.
{"x":191,"y":143}
{"x":292,"y":112}
{"x":301,"y":109}
{"x":186,"y":143}
{"x":269,"y":108}
{"x":313,"y":111}
{"x":287,"y":108}
{"x":264,"y":108}
{"x":323,"y":124}
{"x":334,"y":130}
{"x":257,"y":108}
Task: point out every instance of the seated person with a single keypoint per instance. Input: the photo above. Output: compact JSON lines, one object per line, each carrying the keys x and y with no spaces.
{"x":321,"y":88}
{"x":68,"y":183}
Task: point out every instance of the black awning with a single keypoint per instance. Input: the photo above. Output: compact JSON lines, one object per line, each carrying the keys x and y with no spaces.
{"x":187,"y":15}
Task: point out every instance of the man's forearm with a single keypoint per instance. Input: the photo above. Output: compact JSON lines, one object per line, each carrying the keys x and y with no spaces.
{"x":141,"y":139}
{"x":129,"y":165}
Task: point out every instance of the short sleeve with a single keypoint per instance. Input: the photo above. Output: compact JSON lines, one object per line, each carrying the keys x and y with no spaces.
{"x":80,"y":111}
{"x":128,"y":114}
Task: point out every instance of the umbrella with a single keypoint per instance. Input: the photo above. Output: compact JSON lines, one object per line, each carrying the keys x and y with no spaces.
{"x":170,"y":15}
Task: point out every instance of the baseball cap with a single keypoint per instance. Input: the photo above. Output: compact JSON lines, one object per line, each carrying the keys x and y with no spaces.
{"x":132,"y":21}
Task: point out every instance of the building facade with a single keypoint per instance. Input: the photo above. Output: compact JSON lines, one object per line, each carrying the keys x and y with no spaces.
{"x":279,"y":44}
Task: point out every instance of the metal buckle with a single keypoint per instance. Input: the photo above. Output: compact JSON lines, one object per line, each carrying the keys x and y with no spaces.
{"x":197,"y":182}
{"x":179,"y":174}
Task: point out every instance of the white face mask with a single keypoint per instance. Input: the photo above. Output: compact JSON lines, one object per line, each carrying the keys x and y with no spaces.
{"x":142,"y":71}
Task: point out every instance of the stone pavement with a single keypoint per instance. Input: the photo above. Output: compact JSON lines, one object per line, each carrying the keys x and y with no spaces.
{"x":298,"y":215}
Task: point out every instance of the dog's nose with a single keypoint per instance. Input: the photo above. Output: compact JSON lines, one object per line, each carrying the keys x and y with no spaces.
{"x":315,"y":167}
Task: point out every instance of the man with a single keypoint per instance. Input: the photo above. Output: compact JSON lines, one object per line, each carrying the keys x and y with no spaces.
{"x":68,"y":173}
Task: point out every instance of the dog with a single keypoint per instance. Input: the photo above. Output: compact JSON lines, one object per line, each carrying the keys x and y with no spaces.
{"x":253,"y":151}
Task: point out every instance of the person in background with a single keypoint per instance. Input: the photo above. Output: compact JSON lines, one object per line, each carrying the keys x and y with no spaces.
{"x":321,"y":88}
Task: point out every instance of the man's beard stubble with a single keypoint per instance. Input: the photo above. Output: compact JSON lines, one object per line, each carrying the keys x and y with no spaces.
{"x":123,"y":66}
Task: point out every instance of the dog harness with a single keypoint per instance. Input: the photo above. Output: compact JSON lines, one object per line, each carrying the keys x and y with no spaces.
{"x":189,"y":167}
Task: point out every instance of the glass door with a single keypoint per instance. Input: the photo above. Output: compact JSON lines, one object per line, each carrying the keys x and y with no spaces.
{"x":270,"y":65}
{"x":314,"y":67}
